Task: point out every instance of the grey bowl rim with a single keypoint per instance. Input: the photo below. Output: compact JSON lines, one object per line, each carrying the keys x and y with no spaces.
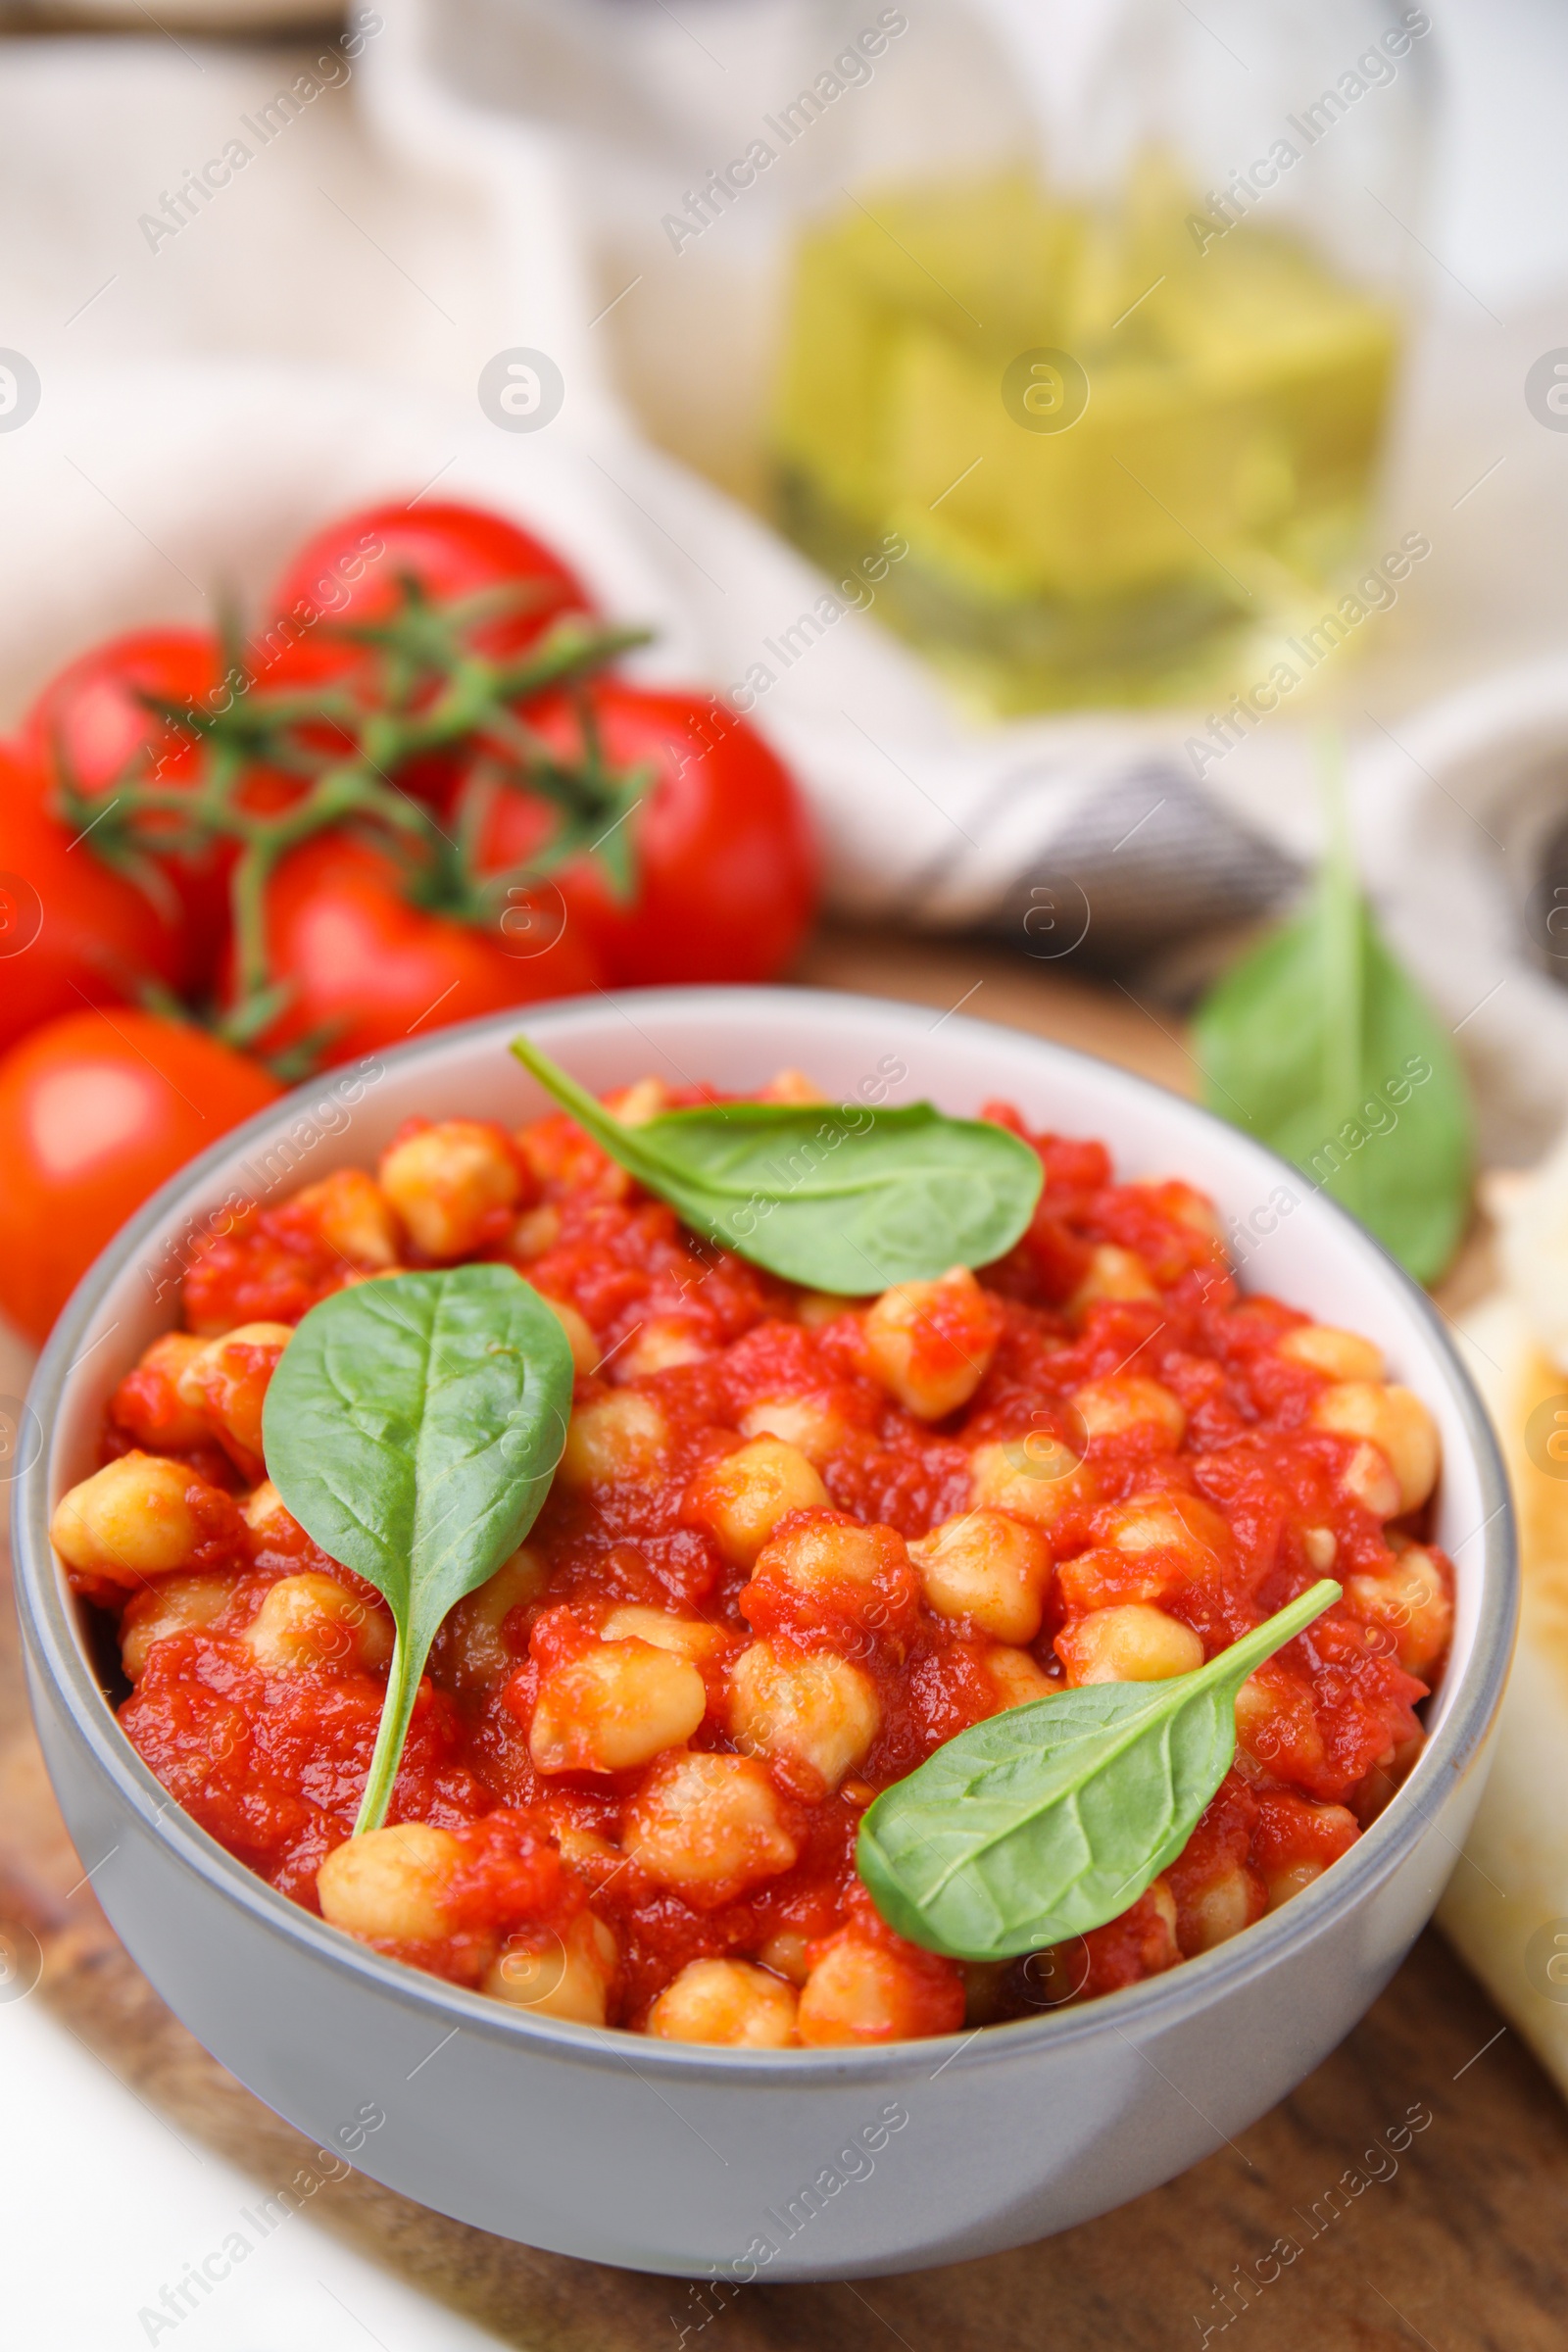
{"x":55,"y":1648}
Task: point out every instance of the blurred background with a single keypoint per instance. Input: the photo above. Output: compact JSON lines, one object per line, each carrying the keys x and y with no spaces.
{"x":1121,"y":340}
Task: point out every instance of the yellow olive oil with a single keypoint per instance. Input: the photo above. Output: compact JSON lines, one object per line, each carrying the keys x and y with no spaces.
{"x":1126,"y":447}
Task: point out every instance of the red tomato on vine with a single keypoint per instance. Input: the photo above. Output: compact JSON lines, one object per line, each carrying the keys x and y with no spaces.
{"x":724,"y":865}
{"x":356,"y":572}
{"x":71,"y":933}
{"x":91,"y":732}
{"x":366,"y":968}
{"x":352,"y":571}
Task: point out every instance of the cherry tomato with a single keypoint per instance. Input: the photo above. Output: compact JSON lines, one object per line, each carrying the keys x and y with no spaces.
{"x":90,"y":728}
{"x":726,"y":864}
{"x":96,"y":1110}
{"x":370,"y":970}
{"x":352,"y":570}
{"x":71,"y":933}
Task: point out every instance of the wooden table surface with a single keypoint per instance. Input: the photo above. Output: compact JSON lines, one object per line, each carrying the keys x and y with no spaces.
{"x":1461,"y":2246}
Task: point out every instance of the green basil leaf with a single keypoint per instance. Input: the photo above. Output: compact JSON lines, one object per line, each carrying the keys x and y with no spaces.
{"x":1320,"y":1044}
{"x":838,"y":1197}
{"x":1046,"y":1821}
{"x":413,"y":1427}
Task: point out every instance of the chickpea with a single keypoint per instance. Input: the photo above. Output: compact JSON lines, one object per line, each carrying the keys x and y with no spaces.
{"x":828,"y":1553}
{"x":1384,"y":1778}
{"x":1229,"y":1902}
{"x":860,"y":1991}
{"x":1165,"y":1951}
{"x":1321,"y":1545}
{"x":1368,"y":1479}
{"x":634,"y":1105}
{"x":477,"y":1652}
{"x":709,"y":1827}
{"x":792,"y":1085}
{"x":744,"y":1496}
{"x":227,"y":1381}
{"x":1110,"y":1409}
{"x":148,"y":1404}
{"x":1295,"y":1880}
{"x":809,"y":1423}
{"x":1196,"y":1211}
{"x":1017,"y":1678}
{"x":263,"y":1511}
{"x":686,"y":1637}
{"x":662,"y":1342}
{"x":586,"y":1353}
{"x":590,"y":1855}
{"x":1410,"y":1598}
{"x":1292,"y":1879}
{"x":391,"y":1883}
{"x":169,"y":1354}
{"x":312,"y":1620}
{"x":1036,"y":1478}
{"x":131,"y":1519}
{"x":808,"y":1710}
{"x":613,"y":1708}
{"x":1133,"y":1644}
{"x":1274,"y":1721}
{"x":557,"y":1976}
{"x":931,"y":1342}
{"x":784,"y":1953}
{"x":536,"y":1231}
{"x":1255,"y":1707}
{"x":447,"y":1182}
{"x":989,"y":1567}
{"x":1183,"y":1524}
{"x":726,"y":2001}
{"x":1337,"y":1354}
{"x":353,"y":1217}
{"x":1394,"y":1420}
{"x":175,"y":1604}
{"x":621,"y":1439}
{"x":1113,"y":1274}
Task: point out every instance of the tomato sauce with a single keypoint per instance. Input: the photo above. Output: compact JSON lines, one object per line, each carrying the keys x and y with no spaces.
{"x":1192,"y":1485}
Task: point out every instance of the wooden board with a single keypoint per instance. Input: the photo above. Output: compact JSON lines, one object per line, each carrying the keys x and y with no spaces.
{"x":1458,"y":2241}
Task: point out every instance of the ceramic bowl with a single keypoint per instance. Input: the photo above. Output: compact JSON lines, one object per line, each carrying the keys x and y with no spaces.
{"x":787,"y":2165}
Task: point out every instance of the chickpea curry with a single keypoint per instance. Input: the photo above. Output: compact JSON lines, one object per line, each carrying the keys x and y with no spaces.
{"x":794,"y":1543}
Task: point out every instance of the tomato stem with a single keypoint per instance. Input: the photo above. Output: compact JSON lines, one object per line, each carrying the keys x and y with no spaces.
{"x":428,"y":692}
